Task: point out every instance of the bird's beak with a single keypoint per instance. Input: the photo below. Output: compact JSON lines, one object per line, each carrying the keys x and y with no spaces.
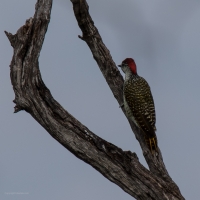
{"x":119,"y":65}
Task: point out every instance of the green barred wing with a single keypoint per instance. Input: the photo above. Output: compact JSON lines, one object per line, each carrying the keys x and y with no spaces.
{"x":139,"y":100}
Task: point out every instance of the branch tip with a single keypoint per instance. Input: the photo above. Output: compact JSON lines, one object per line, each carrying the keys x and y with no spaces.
{"x":17,"y":109}
{"x":10,"y":37}
{"x":79,"y":36}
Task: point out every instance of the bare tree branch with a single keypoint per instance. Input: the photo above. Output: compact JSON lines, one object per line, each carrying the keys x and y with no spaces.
{"x":31,"y":95}
{"x":113,"y":77}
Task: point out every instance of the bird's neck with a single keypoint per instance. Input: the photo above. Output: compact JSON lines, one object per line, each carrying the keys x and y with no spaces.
{"x":129,"y":75}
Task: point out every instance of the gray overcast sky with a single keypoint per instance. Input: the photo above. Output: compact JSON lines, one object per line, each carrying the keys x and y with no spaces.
{"x":162,"y":37}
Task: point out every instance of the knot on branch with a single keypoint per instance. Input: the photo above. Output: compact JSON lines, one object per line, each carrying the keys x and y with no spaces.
{"x":125,"y":158}
{"x":131,"y":155}
{"x":21,"y":103}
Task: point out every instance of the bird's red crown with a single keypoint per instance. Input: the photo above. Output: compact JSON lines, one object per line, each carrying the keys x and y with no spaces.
{"x":131,"y":63}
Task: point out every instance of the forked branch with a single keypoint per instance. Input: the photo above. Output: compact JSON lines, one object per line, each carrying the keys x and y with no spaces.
{"x":31,"y":95}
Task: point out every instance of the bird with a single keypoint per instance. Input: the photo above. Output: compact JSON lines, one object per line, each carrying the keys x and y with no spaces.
{"x":138,"y":102}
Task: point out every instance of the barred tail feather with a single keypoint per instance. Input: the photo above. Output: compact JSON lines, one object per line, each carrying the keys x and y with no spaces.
{"x":152,"y":143}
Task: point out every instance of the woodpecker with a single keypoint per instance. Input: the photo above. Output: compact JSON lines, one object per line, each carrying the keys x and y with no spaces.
{"x":138,"y":102}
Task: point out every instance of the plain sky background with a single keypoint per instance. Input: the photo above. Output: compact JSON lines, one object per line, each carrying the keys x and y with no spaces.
{"x":162,"y":37}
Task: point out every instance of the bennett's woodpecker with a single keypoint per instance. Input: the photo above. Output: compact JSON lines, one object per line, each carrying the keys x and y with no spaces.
{"x":138,"y":102}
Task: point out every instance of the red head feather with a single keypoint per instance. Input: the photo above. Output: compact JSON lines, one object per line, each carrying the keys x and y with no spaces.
{"x":131,"y":63}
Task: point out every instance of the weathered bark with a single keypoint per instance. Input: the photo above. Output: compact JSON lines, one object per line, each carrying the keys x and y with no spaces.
{"x":31,"y":95}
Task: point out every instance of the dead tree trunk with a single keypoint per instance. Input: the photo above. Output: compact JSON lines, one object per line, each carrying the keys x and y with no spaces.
{"x":31,"y":95}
